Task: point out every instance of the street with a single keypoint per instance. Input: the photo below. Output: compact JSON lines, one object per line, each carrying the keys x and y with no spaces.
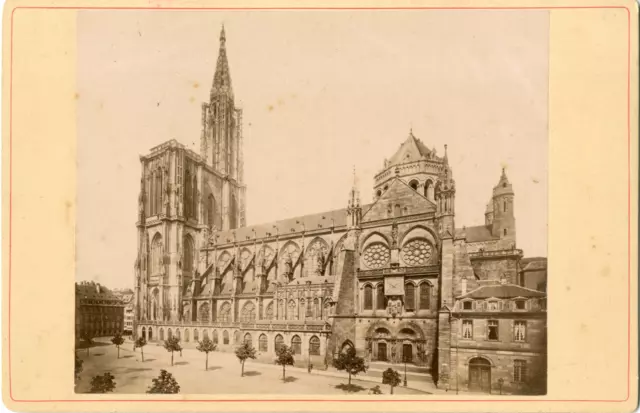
{"x":223,"y":376}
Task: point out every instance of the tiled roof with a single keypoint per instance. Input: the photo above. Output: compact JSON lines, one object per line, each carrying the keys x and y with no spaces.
{"x":479,"y":233}
{"x":90,"y":291}
{"x":311,"y":222}
{"x":502,"y":291}
{"x":533,"y":264}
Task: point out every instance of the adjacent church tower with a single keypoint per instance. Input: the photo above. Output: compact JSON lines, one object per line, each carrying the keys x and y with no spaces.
{"x":221,"y":141}
{"x":502,"y":215}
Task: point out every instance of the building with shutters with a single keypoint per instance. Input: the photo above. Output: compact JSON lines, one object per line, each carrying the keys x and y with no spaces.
{"x":395,"y":279}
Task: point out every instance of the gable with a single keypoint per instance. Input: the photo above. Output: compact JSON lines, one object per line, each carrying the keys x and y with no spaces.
{"x":399,"y":200}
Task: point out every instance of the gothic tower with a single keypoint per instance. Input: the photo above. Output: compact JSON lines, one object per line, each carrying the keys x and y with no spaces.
{"x":503,"y":220}
{"x":221,"y":141}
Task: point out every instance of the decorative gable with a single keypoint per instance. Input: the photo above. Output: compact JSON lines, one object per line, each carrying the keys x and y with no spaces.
{"x":399,"y":200}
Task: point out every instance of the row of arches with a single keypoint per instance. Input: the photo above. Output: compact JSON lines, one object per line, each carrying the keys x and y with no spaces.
{"x":418,"y":297}
{"x":188,"y":335}
{"x":283,"y":309}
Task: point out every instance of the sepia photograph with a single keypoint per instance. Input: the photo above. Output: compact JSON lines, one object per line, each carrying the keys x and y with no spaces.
{"x":312,"y":202}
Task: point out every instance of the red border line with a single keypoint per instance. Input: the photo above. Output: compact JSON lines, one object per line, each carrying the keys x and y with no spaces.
{"x":376,"y":400}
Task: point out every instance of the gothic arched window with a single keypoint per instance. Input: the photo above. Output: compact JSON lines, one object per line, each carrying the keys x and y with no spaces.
{"x":211,"y":211}
{"x":262,"y":343}
{"x":368,"y":297}
{"x":425,"y":296}
{"x":279,"y":341}
{"x":203,"y":312}
{"x":248,"y":313}
{"x":296,"y":344}
{"x":225,"y":313}
{"x":194,"y":192}
{"x":269,"y":312}
{"x":314,"y":346}
{"x":187,"y":260}
{"x":233,"y":211}
{"x":409,"y":297}
{"x":156,"y":255}
{"x":380,"y":304}
{"x":187,"y":194}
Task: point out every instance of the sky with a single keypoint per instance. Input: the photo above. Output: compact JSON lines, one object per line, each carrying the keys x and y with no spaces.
{"x":323,"y":92}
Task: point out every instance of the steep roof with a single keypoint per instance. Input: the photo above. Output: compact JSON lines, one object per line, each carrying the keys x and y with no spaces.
{"x":479,"y":233}
{"x":412,"y":149}
{"x":533,"y":264}
{"x":415,"y":202}
{"x":337,"y":218}
{"x":95,"y":291}
{"x":502,"y":291}
{"x":222,"y":76}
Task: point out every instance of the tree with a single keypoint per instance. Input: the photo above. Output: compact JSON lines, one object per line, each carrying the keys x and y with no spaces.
{"x":284,"y":357}
{"x":164,"y":384}
{"x":391,"y":377}
{"x":350,"y":362}
{"x":172,"y":344}
{"x":87,"y":337}
{"x":244,"y":352}
{"x":206,"y":346}
{"x":78,"y":367}
{"x":103,"y":384}
{"x":118,"y":340}
{"x":141,"y":342}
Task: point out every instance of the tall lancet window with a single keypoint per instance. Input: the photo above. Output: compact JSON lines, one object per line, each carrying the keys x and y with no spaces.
{"x":187,"y":194}
{"x":158,"y":195}
{"x":194,"y":195}
{"x":211,"y":211}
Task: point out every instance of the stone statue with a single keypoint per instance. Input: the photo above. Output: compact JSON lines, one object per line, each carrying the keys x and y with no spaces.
{"x":394,"y":306}
{"x":394,"y":236}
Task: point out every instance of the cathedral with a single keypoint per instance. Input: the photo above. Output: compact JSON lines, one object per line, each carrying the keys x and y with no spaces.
{"x":396,"y":279}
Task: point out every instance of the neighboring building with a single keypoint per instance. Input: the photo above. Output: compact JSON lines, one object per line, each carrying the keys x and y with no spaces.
{"x":98,"y":311}
{"x":126,"y":296}
{"x":533,"y":273}
{"x":389,"y":278}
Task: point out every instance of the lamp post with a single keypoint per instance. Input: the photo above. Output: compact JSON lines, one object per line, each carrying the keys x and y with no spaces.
{"x":404,"y":357}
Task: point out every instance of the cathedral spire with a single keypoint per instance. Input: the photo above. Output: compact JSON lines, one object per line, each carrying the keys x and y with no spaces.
{"x":222,"y":77}
{"x":354,"y":211}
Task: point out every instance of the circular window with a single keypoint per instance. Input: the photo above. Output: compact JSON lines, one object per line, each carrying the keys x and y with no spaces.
{"x":376,"y":255}
{"x":416,"y":252}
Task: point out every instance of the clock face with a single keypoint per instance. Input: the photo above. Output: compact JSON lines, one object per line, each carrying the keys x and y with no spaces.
{"x":394,"y":286}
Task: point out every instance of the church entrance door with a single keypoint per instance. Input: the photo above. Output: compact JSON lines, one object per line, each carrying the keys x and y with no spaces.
{"x":382,"y":351}
{"x":407,"y":353}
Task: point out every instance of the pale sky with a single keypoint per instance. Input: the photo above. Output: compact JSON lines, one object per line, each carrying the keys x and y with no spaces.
{"x":322,"y":92}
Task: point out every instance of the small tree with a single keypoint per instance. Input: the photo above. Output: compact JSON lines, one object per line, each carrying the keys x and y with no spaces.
{"x":206,"y":346}
{"x":172,"y":344}
{"x":391,"y":377}
{"x":141,"y":342}
{"x":118,"y":340}
{"x":244,"y":352}
{"x":103,"y":384}
{"x":284,"y":357}
{"x":87,"y":337}
{"x":350,"y":362}
{"x":164,"y":384}
{"x":78,"y":367}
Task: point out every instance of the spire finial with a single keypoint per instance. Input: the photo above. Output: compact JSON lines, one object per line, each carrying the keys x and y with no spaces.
{"x":223,"y":36}
{"x":446,"y":158}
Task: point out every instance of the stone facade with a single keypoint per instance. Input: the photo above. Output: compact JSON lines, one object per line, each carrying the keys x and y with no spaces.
{"x":389,"y":279}
{"x":99,"y":312}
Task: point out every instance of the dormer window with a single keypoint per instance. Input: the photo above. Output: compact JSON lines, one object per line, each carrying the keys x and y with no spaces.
{"x":492,"y":306}
{"x":520,"y":304}
{"x":467,"y":305}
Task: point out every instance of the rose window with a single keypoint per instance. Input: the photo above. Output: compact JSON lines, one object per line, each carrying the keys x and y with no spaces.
{"x":416,"y":252}
{"x":376,"y":256}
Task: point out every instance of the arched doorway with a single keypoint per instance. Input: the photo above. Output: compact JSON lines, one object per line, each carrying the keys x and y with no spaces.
{"x":408,"y":338}
{"x":381,"y":337}
{"x":144,"y":333}
{"x":150,"y":334}
{"x":479,"y":375}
